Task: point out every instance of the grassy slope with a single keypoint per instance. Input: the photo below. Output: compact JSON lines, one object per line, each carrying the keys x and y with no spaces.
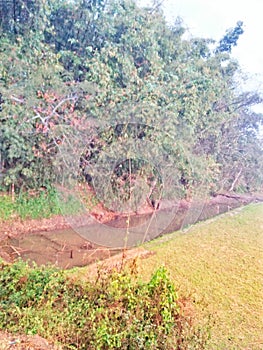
{"x":220,"y":263}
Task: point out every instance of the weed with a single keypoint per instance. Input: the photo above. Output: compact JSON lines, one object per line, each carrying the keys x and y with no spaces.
{"x":39,"y":205}
{"x":117,"y":311}
{"x":6,"y":207}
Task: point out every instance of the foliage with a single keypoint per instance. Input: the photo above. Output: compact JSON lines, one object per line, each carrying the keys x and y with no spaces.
{"x":79,"y":68}
{"x":230,"y":38}
{"x":23,"y":144}
{"x":19,"y":17}
{"x":37,"y":205}
{"x":43,"y":205}
{"x":117,"y":311}
{"x":6,"y":207}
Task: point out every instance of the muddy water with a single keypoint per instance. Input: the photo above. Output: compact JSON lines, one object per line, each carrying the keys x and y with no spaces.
{"x":64,"y":249}
{"x":86,"y":244}
{"x":90,"y":242}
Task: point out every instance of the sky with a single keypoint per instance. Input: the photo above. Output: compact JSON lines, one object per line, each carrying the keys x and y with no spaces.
{"x":211,"y":19}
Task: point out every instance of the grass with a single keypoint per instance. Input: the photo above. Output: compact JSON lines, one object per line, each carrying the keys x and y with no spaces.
{"x":26,"y":206}
{"x":219,"y":263}
{"x":37,"y":206}
{"x":7,"y":209}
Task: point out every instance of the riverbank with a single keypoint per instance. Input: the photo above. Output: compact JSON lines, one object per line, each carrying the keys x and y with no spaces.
{"x":53,"y":240}
{"x":15,"y":226}
{"x":217,"y":263}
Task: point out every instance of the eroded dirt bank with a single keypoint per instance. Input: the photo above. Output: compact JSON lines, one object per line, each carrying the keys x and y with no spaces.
{"x":53,"y":241}
{"x":41,"y":228}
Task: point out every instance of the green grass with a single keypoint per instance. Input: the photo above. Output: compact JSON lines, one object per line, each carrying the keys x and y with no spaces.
{"x":37,"y":206}
{"x":220,"y":264}
{"x":7,"y":209}
{"x":43,"y":205}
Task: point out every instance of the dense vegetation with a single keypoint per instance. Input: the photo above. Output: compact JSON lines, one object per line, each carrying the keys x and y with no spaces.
{"x":107,"y":92}
{"x":117,"y":311}
{"x":46,"y":203}
{"x":89,"y":83}
{"x":26,"y":206}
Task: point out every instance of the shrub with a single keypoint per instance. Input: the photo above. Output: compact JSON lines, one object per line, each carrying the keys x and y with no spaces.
{"x":117,"y":311}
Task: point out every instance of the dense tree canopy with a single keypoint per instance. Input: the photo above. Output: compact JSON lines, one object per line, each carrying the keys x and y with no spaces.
{"x":83,"y":77}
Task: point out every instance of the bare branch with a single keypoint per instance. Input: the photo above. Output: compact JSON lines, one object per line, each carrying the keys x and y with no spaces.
{"x":74,"y":98}
{"x":16,"y":99}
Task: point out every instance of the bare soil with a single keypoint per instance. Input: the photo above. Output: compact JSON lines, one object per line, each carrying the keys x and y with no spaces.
{"x":24,"y":342}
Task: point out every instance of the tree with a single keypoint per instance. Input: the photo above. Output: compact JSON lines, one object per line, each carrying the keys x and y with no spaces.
{"x":96,"y":75}
{"x":18,"y":17}
{"x":230,"y":38}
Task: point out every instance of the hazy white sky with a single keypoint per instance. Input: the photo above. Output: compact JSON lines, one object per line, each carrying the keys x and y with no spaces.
{"x":211,"y":18}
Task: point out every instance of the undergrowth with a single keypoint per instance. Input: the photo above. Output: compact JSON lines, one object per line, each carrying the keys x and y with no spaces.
{"x":117,"y":311}
{"x":39,"y":205}
{"x":7,"y":208}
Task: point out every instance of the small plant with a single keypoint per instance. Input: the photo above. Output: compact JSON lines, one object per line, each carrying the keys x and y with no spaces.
{"x":117,"y":311}
{"x":6,"y":207}
{"x":42,"y":204}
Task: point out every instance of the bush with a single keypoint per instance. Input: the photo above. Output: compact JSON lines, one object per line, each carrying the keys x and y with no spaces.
{"x":117,"y":311}
{"x":40,"y":205}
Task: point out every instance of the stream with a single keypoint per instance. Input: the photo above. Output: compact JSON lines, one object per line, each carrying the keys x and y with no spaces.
{"x":93,"y":241}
